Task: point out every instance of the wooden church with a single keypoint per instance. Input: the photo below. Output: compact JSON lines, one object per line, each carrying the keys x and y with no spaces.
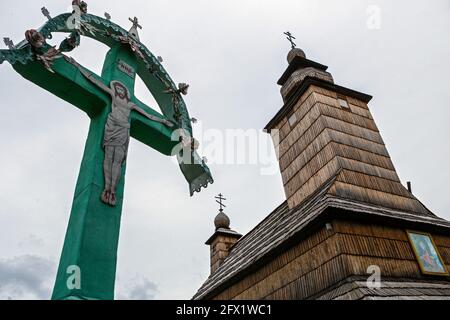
{"x":349,"y":229}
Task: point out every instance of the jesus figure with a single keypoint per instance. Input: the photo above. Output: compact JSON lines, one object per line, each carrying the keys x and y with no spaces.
{"x":117,"y":132}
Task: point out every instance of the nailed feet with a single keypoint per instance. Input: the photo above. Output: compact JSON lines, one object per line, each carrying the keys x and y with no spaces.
{"x":109,"y":198}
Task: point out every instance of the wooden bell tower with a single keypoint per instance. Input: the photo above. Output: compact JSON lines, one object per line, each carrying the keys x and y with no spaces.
{"x":325,"y":131}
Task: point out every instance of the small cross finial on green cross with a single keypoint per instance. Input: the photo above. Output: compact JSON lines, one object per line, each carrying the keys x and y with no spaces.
{"x":135,"y":22}
{"x":219,"y":200}
{"x":291,"y":39}
{"x":46,"y":13}
{"x":9,"y":43}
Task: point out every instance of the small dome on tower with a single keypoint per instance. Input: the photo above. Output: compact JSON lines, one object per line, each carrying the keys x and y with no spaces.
{"x":295,"y":52}
{"x":222,"y":221}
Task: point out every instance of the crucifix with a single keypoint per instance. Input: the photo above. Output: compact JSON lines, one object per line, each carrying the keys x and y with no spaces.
{"x":116,"y":135}
{"x":291,"y":39}
{"x":88,"y":262}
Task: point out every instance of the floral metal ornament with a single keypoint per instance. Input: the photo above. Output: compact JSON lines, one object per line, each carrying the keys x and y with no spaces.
{"x":45,"y":55}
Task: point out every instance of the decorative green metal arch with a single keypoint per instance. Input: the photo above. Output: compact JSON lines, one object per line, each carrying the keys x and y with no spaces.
{"x":150,"y":70}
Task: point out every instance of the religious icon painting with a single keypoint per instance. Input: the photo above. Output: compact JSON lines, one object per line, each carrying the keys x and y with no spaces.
{"x":427,"y":254}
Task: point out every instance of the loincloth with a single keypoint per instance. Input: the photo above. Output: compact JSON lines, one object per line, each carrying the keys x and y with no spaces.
{"x":117,"y":133}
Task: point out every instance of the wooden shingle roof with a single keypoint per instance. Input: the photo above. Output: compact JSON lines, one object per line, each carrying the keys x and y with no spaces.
{"x":283,"y":224}
{"x":357,"y":289}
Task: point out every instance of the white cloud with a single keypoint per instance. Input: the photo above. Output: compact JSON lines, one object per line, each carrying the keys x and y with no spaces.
{"x":137,"y":288}
{"x":26,"y":277}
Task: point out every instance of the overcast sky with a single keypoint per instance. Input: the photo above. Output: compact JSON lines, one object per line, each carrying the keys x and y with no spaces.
{"x":231,"y":53}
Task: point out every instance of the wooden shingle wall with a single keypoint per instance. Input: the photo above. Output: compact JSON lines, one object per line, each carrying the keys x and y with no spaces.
{"x":328,"y":141}
{"x":327,"y":257}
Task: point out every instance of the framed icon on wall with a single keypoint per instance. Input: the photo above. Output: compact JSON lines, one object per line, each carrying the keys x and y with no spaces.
{"x":427,"y":254}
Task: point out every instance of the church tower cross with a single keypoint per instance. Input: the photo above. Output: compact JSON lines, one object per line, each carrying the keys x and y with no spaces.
{"x":291,"y":39}
{"x":220,"y":200}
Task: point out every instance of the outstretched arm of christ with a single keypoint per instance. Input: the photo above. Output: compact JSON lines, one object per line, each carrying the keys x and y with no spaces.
{"x":153,"y":118}
{"x":91,"y":78}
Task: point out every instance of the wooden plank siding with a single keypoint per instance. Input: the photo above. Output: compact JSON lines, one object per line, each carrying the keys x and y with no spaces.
{"x":316,"y":240}
{"x":327,"y":257}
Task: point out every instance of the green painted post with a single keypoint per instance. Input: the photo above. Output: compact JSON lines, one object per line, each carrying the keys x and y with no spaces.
{"x":92,"y":236}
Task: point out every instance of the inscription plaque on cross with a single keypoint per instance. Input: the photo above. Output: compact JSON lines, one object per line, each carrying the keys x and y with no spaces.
{"x":116,"y":114}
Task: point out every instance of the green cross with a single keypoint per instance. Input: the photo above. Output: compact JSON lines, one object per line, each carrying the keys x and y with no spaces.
{"x":92,"y":235}
{"x":87,"y":267}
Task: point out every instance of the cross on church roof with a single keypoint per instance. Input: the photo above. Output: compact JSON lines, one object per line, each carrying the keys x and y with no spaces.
{"x":46,"y":13}
{"x":9,"y":43}
{"x":219,"y":200}
{"x":135,"y":22}
{"x":290,"y":38}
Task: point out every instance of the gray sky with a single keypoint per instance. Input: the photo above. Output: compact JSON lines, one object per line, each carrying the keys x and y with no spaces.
{"x":231,"y":53}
